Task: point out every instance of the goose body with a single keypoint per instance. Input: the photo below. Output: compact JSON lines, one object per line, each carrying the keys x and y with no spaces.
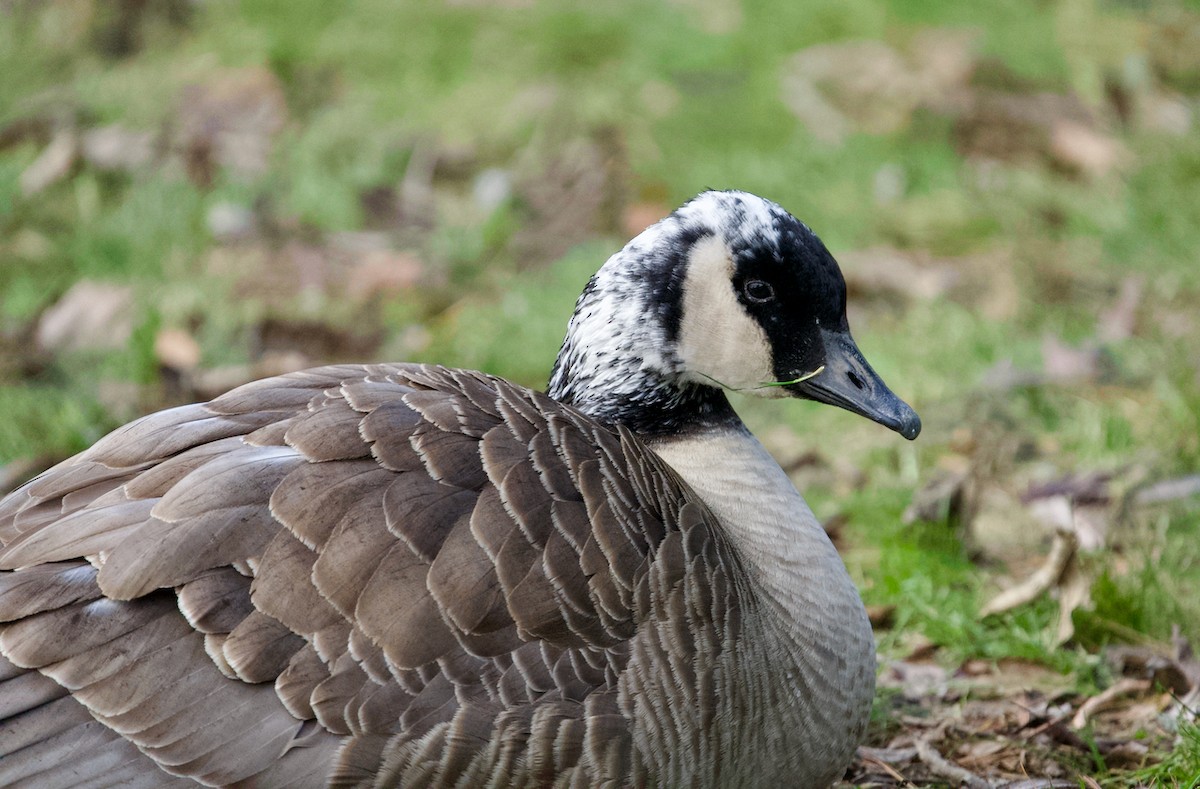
{"x":406,"y":575}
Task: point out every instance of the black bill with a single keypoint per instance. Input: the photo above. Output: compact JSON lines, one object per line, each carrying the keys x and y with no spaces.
{"x":849,"y":382}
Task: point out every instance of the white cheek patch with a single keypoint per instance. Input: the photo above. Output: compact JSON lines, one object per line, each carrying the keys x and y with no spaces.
{"x":718,"y":341}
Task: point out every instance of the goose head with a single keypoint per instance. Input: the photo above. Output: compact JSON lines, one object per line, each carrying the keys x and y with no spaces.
{"x":728,"y":292}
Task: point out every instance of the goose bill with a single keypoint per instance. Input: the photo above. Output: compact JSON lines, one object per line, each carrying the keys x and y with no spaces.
{"x":849,"y":382}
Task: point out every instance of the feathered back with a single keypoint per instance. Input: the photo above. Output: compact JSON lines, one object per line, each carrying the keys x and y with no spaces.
{"x":392,"y":574}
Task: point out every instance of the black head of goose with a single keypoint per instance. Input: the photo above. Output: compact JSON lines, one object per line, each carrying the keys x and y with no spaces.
{"x":405,"y":575}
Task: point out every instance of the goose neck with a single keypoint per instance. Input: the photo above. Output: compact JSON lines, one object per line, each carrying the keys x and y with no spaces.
{"x":805,"y":650}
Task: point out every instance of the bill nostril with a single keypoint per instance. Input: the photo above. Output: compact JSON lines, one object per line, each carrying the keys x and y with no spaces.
{"x":854,"y":379}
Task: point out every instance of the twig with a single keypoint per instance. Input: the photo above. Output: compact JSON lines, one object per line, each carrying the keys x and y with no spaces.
{"x":1061,"y":552}
{"x":887,"y":768}
{"x":1122,"y":687}
{"x":942,"y":768}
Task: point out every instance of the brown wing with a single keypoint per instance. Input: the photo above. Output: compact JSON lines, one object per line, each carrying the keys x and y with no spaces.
{"x":399,"y":575}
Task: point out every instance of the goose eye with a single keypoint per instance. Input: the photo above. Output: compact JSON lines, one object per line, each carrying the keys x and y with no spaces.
{"x":758,"y":291}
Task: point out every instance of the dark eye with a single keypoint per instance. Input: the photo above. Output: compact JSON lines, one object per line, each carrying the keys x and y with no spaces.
{"x":758,"y":291}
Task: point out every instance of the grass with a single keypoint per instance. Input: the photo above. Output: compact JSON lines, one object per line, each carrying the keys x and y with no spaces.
{"x":692,"y":92}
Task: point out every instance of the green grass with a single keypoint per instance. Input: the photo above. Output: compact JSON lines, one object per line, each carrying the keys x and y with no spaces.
{"x":691,"y":92}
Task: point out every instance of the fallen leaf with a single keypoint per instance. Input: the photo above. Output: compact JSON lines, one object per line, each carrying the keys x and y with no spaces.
{"x":915,"y":680}
{"x":52,"y":165}
{"x":1033,"y":128}
{"x":1177,"y":674}
{"x":1082,"y":503}
{"x":114,"y":148}
{"x":90,"y":316}
{"x":888,"y":273}
{"x":1083,"y":149}
{"x":383,"y":272}
{"x":1074,"y":591}
{"x":1169,"y":490}
{"x":1062,"y":551}
{"x":177,"y":350}
{"x":979,"y":752}
{"x":1108,"y":697}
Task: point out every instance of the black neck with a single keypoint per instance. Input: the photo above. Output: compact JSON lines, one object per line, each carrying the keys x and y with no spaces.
{"x":662,"y":409}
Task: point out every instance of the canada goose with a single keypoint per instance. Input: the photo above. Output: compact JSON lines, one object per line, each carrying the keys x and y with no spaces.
{"x":405,"y":575}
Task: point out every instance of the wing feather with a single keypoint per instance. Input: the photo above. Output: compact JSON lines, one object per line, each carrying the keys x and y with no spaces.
{"x":393,"y":572}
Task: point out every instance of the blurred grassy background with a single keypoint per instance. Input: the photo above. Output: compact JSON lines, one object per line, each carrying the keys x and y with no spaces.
{"x":196,"y":193}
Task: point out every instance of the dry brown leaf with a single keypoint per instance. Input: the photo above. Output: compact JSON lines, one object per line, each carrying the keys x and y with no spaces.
{"x":1062,"y":551}
{"x":1090,"y":522}
{"x":1032,"y":128}
{"x":1122,"y":687}
{"x":915,"y":680}
{"x":1144,"y":662}
{"x":177,"y":349}
{"x":1074,"y":591}
{"x":979,"y":752}
{"x":90,"y":316}
{"x":383,"y":273}
{"x":52,"y":165}
{"x":1083,"y":149}
{"x":1169,"y":490}
{"x":117,"y":149}
{"x":881,"y":272}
